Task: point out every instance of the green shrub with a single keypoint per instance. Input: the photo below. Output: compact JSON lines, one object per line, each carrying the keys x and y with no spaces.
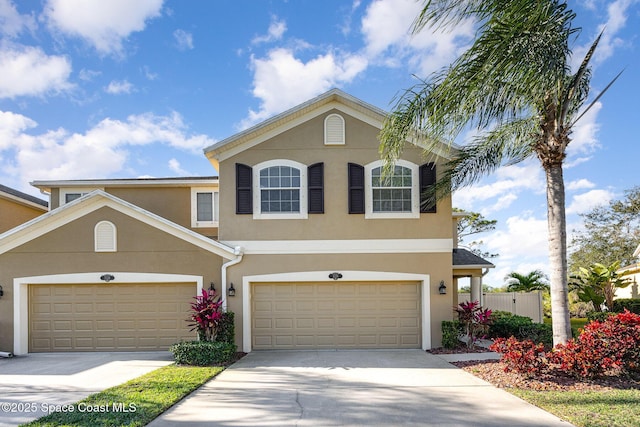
{"x":226,"y":328}
{"x":505,"y":325}
{"x":631,"y":304}
{"x":202,"y":353}
{"x":599,"y":316}
{"x":451,"y":330}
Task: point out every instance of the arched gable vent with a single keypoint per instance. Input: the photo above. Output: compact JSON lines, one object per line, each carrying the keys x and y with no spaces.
{"x":334,"y":130}
{"x":105,"y":237}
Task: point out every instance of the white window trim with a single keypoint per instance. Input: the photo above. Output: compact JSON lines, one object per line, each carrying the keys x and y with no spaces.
{"x":326,"y":122}
{"x":194,"y":207}
{"x":257,"y":214}
{"x":71,"y":190}
{"x":113,"y":247}
{"x":415,"y":192}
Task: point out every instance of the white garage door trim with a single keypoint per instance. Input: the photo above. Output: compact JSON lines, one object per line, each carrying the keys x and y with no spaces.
{"x":21,"y":292}
{"x":347,"y":276}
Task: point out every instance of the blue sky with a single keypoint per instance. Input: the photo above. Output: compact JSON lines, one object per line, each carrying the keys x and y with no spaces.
{"x":120,"y":88}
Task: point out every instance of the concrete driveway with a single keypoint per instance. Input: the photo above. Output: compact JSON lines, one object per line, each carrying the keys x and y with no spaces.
{"x":351,"y":388}
{"x":34,"y":384}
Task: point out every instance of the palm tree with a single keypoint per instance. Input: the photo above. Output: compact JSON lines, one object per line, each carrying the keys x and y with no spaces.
{"x":534,"y":281}
{"x":515,"y":87}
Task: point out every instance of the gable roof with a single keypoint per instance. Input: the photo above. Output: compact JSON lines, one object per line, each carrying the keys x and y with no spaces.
{"x":463,"y":258}
{"x":47,"y":185}
{"x":95,"y":200}
{"x":23,"y":198}
{"x":333,"y":99}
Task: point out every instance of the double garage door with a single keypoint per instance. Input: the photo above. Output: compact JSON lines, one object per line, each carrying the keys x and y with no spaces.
{"x":335,"y":315}
{"x":108,"y":317}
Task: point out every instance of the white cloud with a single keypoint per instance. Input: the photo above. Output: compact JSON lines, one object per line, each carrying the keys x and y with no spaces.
{"x":579,"y":184}
{"x":281,"y":80}
{"x":276,"y":30}
{"x":585,"y":202}
{"x":505,"y":185}
{"x":617,"y":13}
{"x":524,"y":239}
{"x":386,"y":29}
{"x":119,"y":87}
{"x":28,"y":71}
{"x":184,"y":40}
{"x":584,"y":138}
{"x":88,"y":75}
{"x":175,"y":166}
{"x":11,"y":126}
{"x":59,"y":154}
{"x":103,"y":24}
{"x":12,"y":22}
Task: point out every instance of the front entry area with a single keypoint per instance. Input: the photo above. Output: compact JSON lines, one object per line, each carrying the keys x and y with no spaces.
{"x":108,"y":316}
{"x":324,"y":315}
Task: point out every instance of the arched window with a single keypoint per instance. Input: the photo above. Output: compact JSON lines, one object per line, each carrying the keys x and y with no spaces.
{"x":280,"y":190}
{"x":105,"y":238}
{"x":394,"y":196}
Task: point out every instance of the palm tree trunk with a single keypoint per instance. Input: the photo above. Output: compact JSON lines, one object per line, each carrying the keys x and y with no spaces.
{"x":557,"y":226}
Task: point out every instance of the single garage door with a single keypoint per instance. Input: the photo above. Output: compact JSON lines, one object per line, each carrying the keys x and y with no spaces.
{"x":108,"y":317}
{"x":335,"y":315}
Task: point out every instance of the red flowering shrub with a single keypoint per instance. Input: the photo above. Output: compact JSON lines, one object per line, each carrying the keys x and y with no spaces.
{"x":206,"y":316}
{"x":611,"y":346}
{"x":475,"y":320}
{"x":524,"y":357}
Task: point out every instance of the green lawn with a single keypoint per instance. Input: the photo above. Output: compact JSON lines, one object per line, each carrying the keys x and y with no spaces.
{"x":612,"y":408}
{"x":134,"y":403}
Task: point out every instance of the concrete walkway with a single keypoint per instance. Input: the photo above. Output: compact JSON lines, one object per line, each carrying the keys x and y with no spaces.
{"x":39,"y":382}
{"x":351,"y":388}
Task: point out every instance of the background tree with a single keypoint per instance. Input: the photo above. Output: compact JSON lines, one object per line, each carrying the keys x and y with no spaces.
{"x":514,"y":86}
{"x":598,"y":283}
{"x":611,"y":233}
{"x":534,"y":281}
{"x":474,"y":223}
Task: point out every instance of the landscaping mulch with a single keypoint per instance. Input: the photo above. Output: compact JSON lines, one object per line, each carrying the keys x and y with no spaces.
{"x":493,"y":372}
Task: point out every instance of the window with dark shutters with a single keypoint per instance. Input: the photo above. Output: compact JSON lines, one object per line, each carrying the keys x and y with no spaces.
{"x":244,"y":196}
{"x":356,"y":188}
{"x":315,"y":181}
{"x":427,"y":180}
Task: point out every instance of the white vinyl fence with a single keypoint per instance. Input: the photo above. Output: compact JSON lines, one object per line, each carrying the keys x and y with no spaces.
{"x":523,"y":304}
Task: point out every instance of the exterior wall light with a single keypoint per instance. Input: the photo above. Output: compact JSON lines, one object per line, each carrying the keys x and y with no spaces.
{"x":212,"y":290}
{"x":107,"y":277}
{"x":442,"y":289}
{"x":232,"y":290}
{"x":1,"y":291}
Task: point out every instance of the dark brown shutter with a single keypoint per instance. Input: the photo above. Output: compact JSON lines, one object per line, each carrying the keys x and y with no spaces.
{"x":315,"y":186}
{"x":356,"y":188}
{"x":427,"y":181}
{"x":244,"y":189}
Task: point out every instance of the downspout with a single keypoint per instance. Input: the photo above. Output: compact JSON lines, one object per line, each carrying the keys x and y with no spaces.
{"x":223,"y":275}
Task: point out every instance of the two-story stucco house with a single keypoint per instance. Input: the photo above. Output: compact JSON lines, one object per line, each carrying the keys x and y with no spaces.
{"x":307,"y":244}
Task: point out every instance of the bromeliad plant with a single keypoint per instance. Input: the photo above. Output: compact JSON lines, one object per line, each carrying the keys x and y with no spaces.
{"x":206,"y":315}
{"x":475,"y":320}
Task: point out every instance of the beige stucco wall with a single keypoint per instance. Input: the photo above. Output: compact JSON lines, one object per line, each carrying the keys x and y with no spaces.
{"x":172,"y":203}
{"x":70,"y":249}
{"x":13,"y":214}
{"x":305,"y":144}
{"x":436,"y":265}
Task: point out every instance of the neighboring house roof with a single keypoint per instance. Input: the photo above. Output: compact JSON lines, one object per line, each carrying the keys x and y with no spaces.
{"x":95,"y":200}
{"x":333,"y":99}
{"x":20,"y":197}
{"x":128,"y":182}
{"x":463,"y":258}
